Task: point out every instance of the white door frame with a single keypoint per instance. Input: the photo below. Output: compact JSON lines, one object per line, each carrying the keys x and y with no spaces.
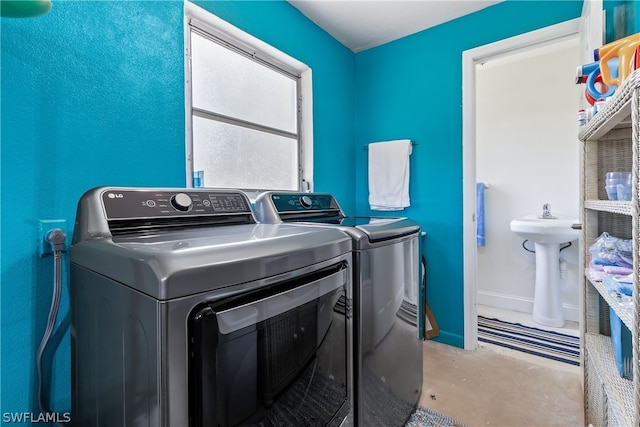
{"x":470,"y":58}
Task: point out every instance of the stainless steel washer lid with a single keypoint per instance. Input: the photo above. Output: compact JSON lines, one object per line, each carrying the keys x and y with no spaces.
{"x":170,"y":261}
{"x":322,"y":209}
{"x":378,"y":230}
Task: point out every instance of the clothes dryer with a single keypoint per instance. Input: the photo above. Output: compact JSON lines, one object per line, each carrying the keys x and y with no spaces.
{"x":186,"y":312}
{"x":388,"y":347}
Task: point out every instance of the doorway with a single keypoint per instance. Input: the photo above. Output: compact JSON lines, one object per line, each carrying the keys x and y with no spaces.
{"x":509,"y":50}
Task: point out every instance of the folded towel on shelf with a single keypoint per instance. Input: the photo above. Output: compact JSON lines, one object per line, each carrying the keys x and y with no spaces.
{"x":480,"y":236}
{"x":389,"y":175}
{"x":615,"y":269}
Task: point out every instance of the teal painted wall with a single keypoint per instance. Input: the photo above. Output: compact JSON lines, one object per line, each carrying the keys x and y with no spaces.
{"x":622,"y":18}
{"x":412,"y":88}
{"x":93,"y":94}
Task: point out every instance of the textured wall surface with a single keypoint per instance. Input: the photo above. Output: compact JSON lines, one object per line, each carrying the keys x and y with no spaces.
{"x":412,"y":88}
{"x":93,"y":94}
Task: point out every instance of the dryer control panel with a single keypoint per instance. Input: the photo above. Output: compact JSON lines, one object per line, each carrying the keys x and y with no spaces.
{"x":285,"y":202}
{"x":274,"y":208}
{"x":128,"y":204}
{"x":110,"y":211}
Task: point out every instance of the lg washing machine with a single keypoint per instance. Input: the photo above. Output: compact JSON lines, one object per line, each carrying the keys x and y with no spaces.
{"x":187,"y":312}
{"x":387,"y":343}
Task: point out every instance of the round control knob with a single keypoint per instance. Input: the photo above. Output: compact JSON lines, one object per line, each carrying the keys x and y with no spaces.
{"x":305,"y":201}
{"x":181,"y":202}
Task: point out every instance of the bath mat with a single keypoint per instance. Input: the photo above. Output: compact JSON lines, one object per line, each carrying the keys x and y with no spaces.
{"x":538,"y":342}
{"x":425,"y":417}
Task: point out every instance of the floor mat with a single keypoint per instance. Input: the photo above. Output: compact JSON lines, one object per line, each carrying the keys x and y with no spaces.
{"x":538,"y":342}
{"x":425,"y":417}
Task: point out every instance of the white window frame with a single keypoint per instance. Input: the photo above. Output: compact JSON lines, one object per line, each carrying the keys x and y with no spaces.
{"x":209,"y":23}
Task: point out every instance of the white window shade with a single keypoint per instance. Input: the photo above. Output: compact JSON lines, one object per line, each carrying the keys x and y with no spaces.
{"x":240,"y":161}
{"x":230,"y":84}
{"x":249,"y":110}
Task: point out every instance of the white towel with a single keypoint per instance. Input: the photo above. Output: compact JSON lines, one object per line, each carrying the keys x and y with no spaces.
{"x":389,"y":175}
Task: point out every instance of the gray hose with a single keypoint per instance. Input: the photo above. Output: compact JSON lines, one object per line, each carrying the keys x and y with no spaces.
{"x":56,"y":237}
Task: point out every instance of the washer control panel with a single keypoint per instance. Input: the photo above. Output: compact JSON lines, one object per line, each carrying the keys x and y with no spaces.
{"x":296,"y":202}
{"x":129,"y":204}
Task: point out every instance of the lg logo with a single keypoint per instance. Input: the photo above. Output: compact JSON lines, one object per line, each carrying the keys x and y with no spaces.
{"x":115,"y":195}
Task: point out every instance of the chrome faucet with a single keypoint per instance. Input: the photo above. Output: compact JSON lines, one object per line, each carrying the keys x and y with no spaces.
{"x":546,"y":211}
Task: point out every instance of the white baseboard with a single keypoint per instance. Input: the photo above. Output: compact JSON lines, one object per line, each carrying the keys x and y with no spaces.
{"x":524,"y":305}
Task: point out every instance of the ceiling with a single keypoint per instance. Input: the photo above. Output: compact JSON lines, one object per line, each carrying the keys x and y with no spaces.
{"x":363,"y":24}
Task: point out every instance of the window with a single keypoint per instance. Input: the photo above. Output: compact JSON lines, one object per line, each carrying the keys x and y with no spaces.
{"x":248,"y":109}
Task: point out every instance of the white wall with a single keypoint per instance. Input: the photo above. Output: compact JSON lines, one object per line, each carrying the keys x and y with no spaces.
{"x":527,"y":152}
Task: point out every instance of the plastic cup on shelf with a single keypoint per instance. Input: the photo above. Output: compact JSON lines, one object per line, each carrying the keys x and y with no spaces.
{"x":624,"y":192}
{"x":612,"y":175}
{"x":625,"y":178}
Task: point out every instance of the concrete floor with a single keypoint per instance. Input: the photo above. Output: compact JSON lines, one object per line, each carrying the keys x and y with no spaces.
{"x":493,"y":387}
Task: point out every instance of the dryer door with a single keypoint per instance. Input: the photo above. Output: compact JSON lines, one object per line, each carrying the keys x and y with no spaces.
{"x":278,"y":356}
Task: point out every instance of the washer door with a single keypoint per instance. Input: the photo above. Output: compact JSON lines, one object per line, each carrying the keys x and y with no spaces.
{"x":279,"y":356}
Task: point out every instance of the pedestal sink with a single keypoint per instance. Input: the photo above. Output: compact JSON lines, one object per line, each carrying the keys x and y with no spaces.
{"x":547,"y":233}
